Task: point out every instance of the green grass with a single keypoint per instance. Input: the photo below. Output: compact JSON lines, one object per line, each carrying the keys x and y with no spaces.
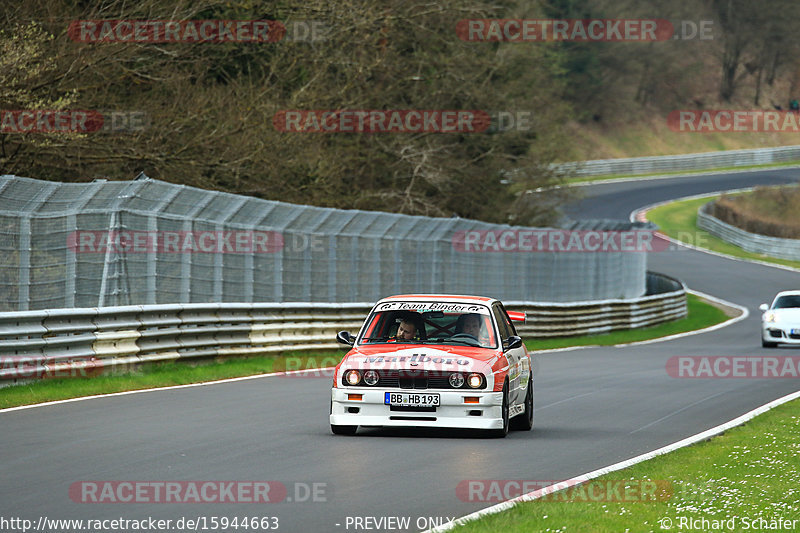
{"x":701,"y":315}
{"x":585,"y":179}
{"x":679,"y":221}
{"x":162,"y":374}
{"x":748,"y":472}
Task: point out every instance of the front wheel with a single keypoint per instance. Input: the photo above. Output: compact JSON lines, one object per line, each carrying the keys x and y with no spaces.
{"x":766,"y":344}
{"x":524,"y":421}
{"x":500,"y":433}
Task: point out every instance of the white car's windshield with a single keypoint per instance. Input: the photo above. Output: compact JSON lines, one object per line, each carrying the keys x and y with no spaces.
{"x":430,"y":323}
{"x":787,"y":301}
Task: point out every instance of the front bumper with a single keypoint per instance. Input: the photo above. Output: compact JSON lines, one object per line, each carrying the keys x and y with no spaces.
{"x":451,"y":413}
{"x":780,"y":332}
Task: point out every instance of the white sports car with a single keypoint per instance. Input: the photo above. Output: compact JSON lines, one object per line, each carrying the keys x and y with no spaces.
{"x":780,"y":323}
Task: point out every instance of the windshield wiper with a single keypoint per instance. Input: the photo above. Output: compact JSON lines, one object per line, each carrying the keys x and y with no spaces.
{"x":462,"y":341}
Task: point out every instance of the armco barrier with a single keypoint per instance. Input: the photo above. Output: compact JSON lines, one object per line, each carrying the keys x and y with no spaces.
{"x":677,"y":163}
{"x":666,"y":301}
{"x":67,"y":342}
{"x":751,"y":242}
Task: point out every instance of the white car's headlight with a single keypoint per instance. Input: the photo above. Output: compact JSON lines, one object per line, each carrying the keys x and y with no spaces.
{"x":770,"y":316}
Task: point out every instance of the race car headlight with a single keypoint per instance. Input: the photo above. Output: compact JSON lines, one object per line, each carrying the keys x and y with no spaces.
{"x":352,"y":377}
{"x":769,"y":316}
{"x":371,"y":377}
{"x":456,"y":380}
{"x":475,"y":380}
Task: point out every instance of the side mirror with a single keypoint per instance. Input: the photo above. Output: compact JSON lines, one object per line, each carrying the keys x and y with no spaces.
{"x":763,"y":307}
{"x":512,"y":342}
{"x":344,"y":337}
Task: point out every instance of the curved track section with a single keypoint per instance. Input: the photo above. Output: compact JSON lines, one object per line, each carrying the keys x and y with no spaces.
{"x":594,"y":407}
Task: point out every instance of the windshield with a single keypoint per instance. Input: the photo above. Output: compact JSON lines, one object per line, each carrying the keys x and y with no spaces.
{"x":788,"y":301}
{"x":430,"y":323}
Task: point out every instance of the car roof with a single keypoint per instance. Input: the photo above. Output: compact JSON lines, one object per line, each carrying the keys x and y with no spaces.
{"x":450,"y":297}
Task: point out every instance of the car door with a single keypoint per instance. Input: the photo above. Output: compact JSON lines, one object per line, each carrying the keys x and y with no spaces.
{"x":517,"y":380}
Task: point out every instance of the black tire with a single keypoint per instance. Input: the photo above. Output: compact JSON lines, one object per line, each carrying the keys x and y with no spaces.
{"x":765,"y":344}
{"x":524,"y":421}
{"x":501,"y":433}
{"x":343,"y":430}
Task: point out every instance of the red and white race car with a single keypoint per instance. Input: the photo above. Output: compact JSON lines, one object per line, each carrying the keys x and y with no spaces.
{"x":429,"y":360}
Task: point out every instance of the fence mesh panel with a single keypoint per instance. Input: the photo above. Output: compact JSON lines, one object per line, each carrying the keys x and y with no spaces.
{"x":149,"y":242}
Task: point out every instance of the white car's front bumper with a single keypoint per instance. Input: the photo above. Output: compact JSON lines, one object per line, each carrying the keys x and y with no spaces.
{"x":451,"y":413}
{"x":783,"y":330}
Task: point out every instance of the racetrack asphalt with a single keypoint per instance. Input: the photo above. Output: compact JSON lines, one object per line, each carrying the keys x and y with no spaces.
{"x":594,"y":407}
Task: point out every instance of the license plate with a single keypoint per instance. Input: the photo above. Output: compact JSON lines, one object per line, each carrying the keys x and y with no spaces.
{"x":411,"y":399}
{"x":795,"y":331}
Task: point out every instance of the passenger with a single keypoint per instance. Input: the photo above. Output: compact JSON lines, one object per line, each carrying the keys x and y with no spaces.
{"x":472,"y":325}
{"x":406,"y":330}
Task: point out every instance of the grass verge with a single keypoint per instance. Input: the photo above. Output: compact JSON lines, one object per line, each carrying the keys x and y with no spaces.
{"x":168,"y":374}
{"x":745,"y":474}
{"x":701,"y":315}
{"x":679,"y":221}
{"x":164,"y":374}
